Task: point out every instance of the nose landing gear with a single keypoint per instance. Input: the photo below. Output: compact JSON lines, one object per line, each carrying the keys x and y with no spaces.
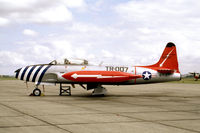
{"x":36,"y":92}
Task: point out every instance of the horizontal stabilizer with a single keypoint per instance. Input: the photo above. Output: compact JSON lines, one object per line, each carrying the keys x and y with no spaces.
{"x":165,"y":71}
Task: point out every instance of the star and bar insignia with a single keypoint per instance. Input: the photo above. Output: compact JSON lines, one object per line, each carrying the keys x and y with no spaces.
{"x":146,"y":75}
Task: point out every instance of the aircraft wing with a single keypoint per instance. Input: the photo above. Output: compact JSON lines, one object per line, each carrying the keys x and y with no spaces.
{"x":44,"y":83}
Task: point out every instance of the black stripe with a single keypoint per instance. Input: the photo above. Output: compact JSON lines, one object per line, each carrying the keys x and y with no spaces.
{"x":36,"y":73}
{"x":16,"y":76}
{"x":29,"y":74}
{"x":42,"y":74}
{"x":17,"y":72}
{"x":23,"y":73}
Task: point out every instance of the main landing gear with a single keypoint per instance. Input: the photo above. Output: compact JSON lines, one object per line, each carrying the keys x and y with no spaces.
{"x":99,"y":91}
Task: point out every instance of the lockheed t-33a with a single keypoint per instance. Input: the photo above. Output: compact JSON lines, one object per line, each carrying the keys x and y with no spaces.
{"x":94,"y":77}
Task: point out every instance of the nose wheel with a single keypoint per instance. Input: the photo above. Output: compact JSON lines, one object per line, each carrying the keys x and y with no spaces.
{"x":36,"y":92}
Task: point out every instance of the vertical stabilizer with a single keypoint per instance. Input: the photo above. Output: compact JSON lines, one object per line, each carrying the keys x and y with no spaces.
{"x":168,"y":60}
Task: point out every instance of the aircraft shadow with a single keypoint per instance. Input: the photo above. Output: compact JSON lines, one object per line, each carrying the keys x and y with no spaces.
{"x":114,"y":95}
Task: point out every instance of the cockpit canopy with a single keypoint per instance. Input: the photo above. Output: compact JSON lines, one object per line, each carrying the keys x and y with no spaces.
{"x":69,"y":62}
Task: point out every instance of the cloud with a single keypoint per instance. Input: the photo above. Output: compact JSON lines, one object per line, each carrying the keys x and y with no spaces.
{"x":157,"y":22}
{"x":29,"y":32}
{"x":3,"y":21}
{"x":57,"y":14}
{"x":146,"y":10}
{"x":10,"y":61}
{"x":36,"y":11}
{"x":74,"y":3}
{"x":11,"y":58}
{"x":106,"y":54}
{"x":29,"y":54}
{"x":61,"y":49}
{"x":131,"y":32}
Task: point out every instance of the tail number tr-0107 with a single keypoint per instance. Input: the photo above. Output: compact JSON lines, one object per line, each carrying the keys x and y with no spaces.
{"x":121,"y":69}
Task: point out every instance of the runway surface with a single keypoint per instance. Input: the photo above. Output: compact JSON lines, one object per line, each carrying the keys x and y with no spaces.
{"x":153,"y":108}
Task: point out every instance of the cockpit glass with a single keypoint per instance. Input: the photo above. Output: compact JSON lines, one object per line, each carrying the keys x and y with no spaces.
{"x":67,"y":61}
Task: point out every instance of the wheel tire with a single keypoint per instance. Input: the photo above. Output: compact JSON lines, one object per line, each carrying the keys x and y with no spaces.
{"x":36,"y":92}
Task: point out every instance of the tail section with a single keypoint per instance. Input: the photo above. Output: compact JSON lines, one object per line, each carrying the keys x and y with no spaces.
{"x":168,"y":62}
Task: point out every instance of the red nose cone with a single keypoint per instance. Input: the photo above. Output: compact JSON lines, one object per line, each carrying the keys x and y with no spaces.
{"x":99,"y":76}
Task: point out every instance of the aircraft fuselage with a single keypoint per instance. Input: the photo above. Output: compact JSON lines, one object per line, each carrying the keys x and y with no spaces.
{"x":54,"y":74}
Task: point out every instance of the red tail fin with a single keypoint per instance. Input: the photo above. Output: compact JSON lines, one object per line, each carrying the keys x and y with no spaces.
{"x":168,"y":60}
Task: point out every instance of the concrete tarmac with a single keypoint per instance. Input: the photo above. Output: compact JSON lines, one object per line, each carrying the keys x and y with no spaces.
{"x":152,"y":108}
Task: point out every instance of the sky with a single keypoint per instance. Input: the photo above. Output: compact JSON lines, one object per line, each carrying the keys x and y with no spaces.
{"x":129,"y":32}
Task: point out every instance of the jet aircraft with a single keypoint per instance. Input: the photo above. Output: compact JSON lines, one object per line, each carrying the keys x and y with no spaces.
{"x":92,"y":77}
{"x":196,"y":75}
